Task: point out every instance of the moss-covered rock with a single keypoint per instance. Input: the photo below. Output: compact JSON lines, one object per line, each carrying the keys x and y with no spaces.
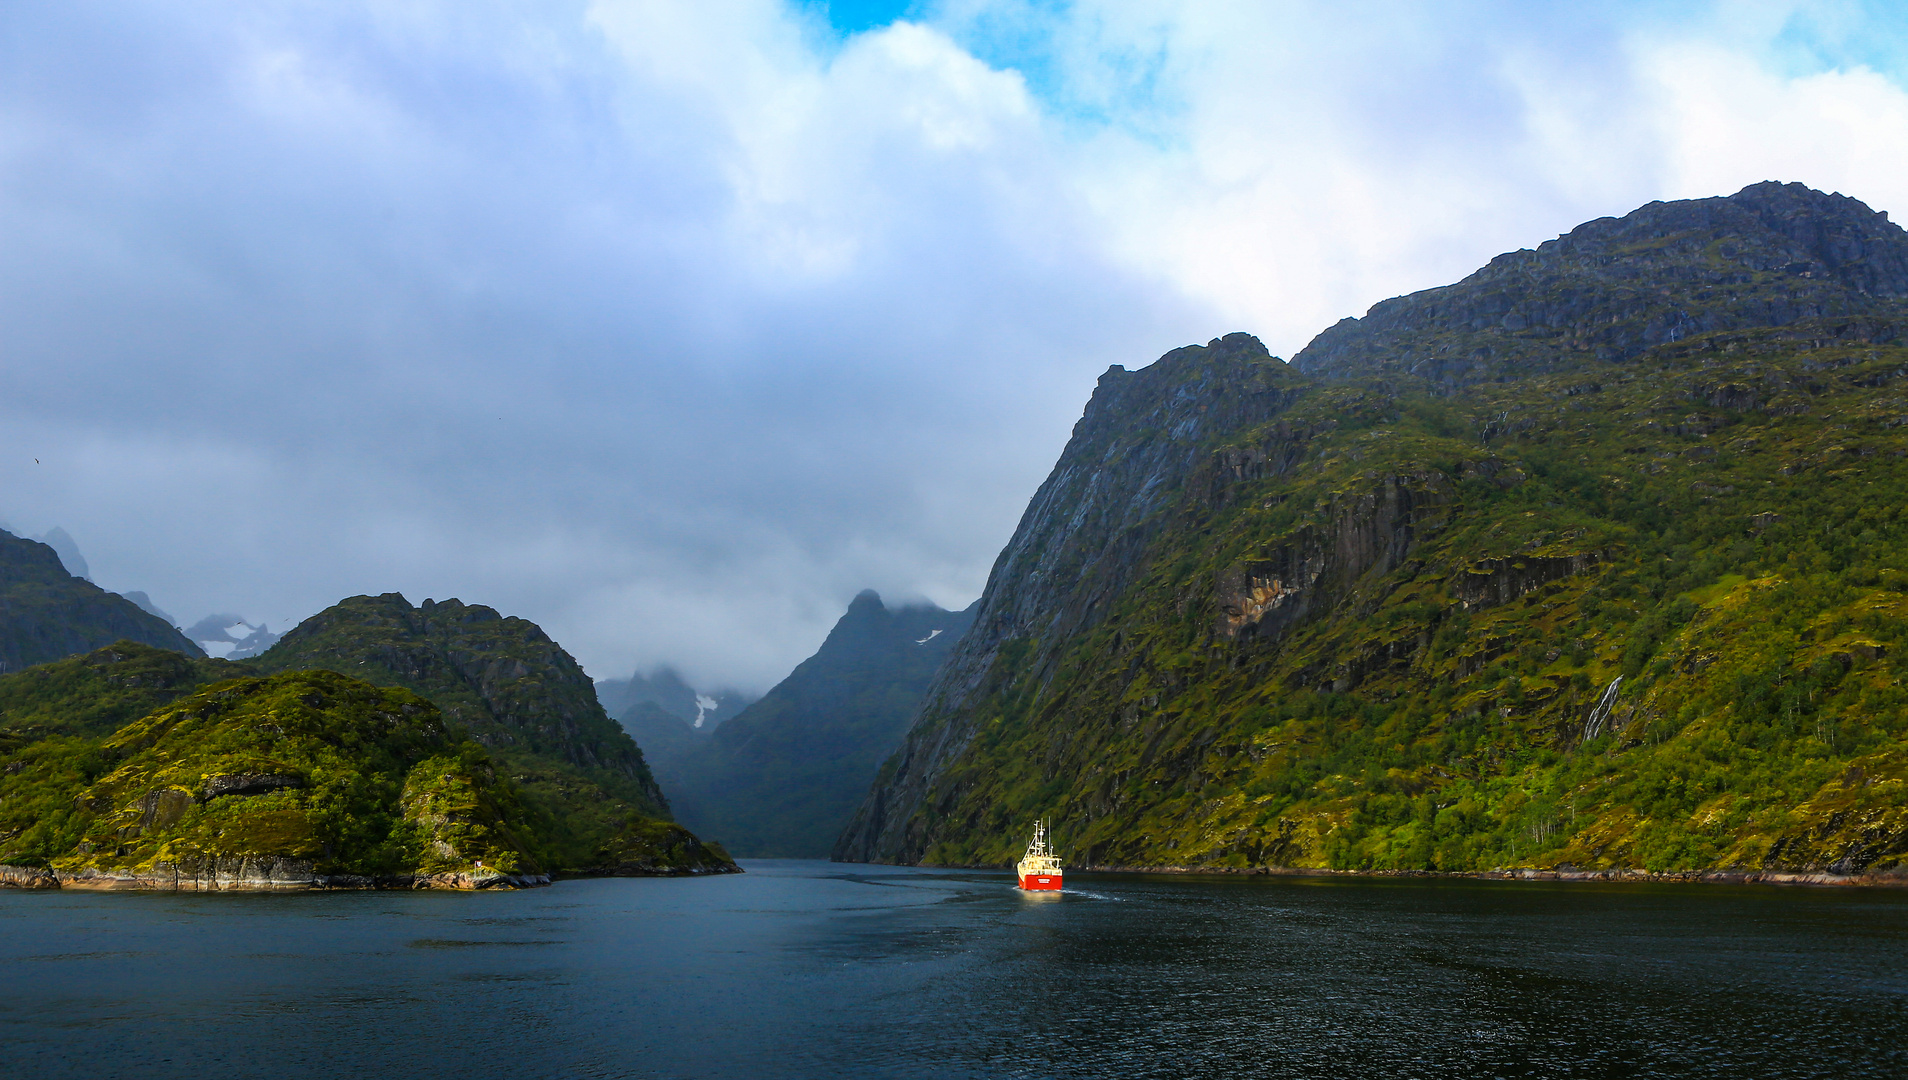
{"x":98,"y":693}
{"x":300,"y":780}
{"x":515,"y":691}
{"x":647,"y":847}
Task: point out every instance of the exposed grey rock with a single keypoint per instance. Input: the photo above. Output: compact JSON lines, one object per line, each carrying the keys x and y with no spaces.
{"x":1771,"y":255}
{"x":248,"y":784}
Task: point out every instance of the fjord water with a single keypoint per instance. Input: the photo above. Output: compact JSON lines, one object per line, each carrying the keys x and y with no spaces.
{"x":807,"y":969}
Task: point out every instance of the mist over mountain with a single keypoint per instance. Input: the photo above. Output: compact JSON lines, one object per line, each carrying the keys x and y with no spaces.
{"x":663,"y":688}
{"x":783,"y":776}
{"x":61,"y":541}
{"x":146,"y":605}
{"x":1596,"y":560}
{"x":231,"y":637}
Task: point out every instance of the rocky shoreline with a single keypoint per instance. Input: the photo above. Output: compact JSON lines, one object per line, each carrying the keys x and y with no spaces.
{"x":1892,"y":878}
{"x":285,"y":875}
{"x":249,"y":875}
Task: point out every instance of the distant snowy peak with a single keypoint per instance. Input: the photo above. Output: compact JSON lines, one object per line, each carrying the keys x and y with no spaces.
{"x":663,"y":688}
{"x":231,"y":637}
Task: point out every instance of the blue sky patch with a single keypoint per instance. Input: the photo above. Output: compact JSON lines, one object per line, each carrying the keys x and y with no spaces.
{"x":854,"y":16}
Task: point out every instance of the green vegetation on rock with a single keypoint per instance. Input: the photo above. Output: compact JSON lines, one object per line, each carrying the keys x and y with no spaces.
{"x":1596,"y":559}
{"x":138,"y":767}
{"x":264,"y":780}
{"x":512,"y":689}
{"x":96,"y":694}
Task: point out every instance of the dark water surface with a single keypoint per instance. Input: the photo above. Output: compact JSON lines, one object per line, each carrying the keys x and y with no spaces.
{"x":801,"y":969}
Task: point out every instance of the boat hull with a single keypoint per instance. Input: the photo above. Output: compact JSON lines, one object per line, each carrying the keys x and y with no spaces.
{"x":1040,"y":882}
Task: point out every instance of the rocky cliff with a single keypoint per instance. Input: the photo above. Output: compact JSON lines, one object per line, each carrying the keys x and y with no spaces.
{"x":47,"y":613}
{"x":1591,"y":561}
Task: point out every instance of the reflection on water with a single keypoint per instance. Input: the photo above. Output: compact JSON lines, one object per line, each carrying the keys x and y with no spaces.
{"x":803,"y":969}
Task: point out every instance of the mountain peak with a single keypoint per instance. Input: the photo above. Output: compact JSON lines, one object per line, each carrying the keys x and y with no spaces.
{"x":1771,"y":255}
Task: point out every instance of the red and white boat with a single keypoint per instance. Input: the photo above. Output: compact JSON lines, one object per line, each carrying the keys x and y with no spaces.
{"x":1040,"y":870}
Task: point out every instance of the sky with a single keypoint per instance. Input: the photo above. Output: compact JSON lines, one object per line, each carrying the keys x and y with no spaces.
{"x":672,"y":326}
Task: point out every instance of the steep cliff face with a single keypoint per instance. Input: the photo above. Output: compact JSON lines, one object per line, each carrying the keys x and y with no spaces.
{"x":1084,"y":538}
{"x":1521,"y":572}
{"x":47,"y":613}
{"x":782,"y":778}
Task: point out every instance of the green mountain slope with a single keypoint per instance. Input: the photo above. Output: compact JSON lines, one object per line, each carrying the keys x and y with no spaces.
{"x":1595,"y":559}
{"x":781,"y":779}
{"x":97,"y":694}
{"x":516,"y":692}
{"x":289,"y":781}
{"x":47,"y":613}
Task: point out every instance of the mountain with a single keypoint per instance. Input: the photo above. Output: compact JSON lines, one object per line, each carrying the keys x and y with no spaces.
{"x":782,"y":778}
{"x":136,"y":767}
{"x":47,"y":613}
{"x":1593,"y":561}
{"x":667,"y":737}
{"x":512,"y":689}
{"x":1772,"y":255}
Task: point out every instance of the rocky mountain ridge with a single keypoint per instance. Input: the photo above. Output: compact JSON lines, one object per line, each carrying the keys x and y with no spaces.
{"x":1772,"y":255}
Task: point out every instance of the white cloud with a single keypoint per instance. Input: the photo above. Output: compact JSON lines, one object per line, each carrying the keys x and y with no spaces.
{"x":672,"y":326}
{"x":1726,"y":122}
